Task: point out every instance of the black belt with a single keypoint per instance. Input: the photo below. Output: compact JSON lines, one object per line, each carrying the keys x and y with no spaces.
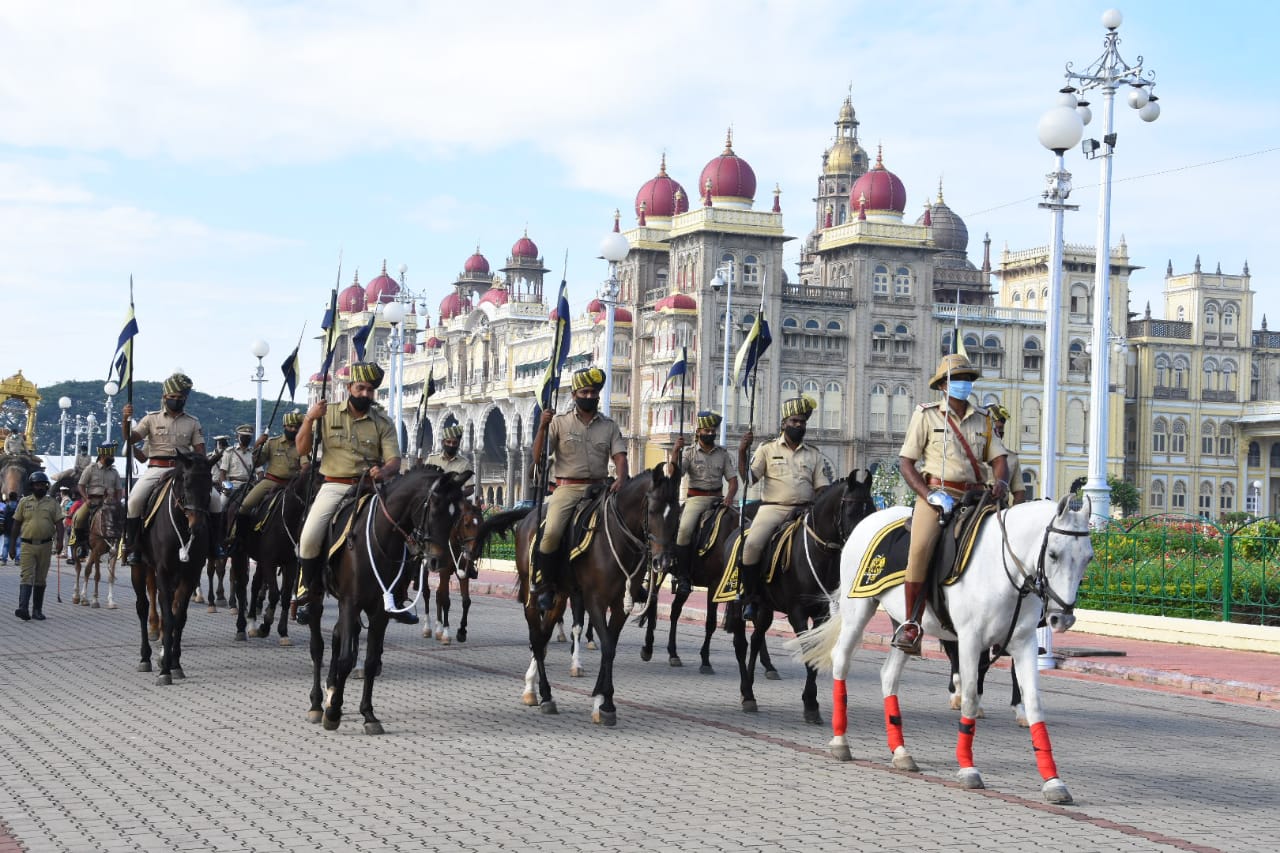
{"x":38,"y":541}
{"x":704,"y":493}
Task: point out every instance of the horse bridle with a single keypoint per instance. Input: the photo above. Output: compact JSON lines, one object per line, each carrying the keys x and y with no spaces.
{"x":1038,"y":582}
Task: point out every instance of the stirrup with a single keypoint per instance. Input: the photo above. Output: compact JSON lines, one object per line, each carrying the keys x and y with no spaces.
{"x":907,"y":638}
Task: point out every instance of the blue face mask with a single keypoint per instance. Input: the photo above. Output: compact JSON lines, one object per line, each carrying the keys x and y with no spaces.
{"x":960,"y":389}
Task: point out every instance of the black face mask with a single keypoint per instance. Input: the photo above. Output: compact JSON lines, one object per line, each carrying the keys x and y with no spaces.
{"x":795,"y":434}
{"x":39,"y":491}
{"x":290,"y":435}
{"x":449,"y":451}
{"x":707,"y":440}
{"x":244,"y":441}
{"x":175,"y":405}
{"x":361,"y":404}
{"x":587,"y":404}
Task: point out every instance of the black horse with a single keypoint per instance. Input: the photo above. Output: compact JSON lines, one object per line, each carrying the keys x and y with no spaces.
{"x":467,"y":543}
{"x":270,"y":540}
{"x":802,"y":586}
{"x":401,"y":527}
{"x":637,"y":526}
{"x":174,"y":548}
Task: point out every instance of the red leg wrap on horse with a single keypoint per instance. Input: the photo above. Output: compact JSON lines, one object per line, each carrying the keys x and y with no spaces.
{"x":839,"y":707}
{"x":893,"y":722}
{"x":964,"y":742}
{"x":1044,"y":752}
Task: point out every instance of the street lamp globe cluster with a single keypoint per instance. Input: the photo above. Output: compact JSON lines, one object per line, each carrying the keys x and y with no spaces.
{"x":724,"y":279}
{"x":259,"y":348}
{"x":1060,"y":129}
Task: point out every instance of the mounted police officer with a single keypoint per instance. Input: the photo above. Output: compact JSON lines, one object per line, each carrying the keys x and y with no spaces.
{"x":166,"y":432}
{"x":1017,"y":489}
{"x":82,"y":459}
{"x":35,"y":522}
{"x":706,"y":467}
{"x":449,"y":458}
{"x":99,"y":482}
{"x":790,"y":472}
{"x":950,"y":439}
{"x":233,"y":472}
{"x":583,"y":442}
{"x":279,"y":459}
{"x":357,"y":440}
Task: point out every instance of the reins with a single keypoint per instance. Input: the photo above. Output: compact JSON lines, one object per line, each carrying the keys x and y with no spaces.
{"x":184,"y":548}
{"x":413,"y":544}
{"x":609,"y":509}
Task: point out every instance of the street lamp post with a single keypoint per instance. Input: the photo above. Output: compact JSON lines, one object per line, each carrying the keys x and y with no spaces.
{"x":259,"y":349}
{"x":110,"y":389}
{"x":393,"y":313}
{"x":613,"y":248}
{"x":64,"y":403}
{"x":1257,"y":496}
{"x":1107,"y":73}
{"x":724,"y":278}
{"x":1059,"y":129}
{"x":91,"y":431}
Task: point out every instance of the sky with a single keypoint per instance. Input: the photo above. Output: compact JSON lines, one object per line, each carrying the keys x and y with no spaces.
{"x":226,"y":155}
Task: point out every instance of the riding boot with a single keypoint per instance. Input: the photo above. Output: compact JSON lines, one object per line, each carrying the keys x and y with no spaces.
{"x":543,"y":588}
{"x":907,"y":637}
{"x":37,"y":603}
{"x":24,"y":598}
{"x":132,"y":547}
{"x":82,"y":542}
{"x":311,"y":568}
{"x":218,"y":533}
{"x":749,"y":582}
{"x":684,"y":561}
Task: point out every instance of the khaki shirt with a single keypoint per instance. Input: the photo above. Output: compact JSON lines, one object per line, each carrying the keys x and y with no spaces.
{"x":788,"y":476}
{"x":96,"y":481}
{"x":279,"y":456}
{"x":236,"y":465}
{"x":707,"y":469}
{"x":351,"y":445}
{"x":583,"y":451}
{"x":1015,"y":473}
{"x":166,"y":434}
{"x":455,"y":465}
{"x":930,"y":439}
{"x":36,"y":518}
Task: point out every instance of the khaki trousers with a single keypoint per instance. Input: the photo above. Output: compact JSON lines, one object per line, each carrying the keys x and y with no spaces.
{"x":146,"y":484}
{"x":34,"y":563}
{"x":924,"y":536}
{"x":689,"y":515}
{"x":559,"y":510}
{"x":768,"y":519}
{"x":258,"y":493}
{"x":311,"y":542}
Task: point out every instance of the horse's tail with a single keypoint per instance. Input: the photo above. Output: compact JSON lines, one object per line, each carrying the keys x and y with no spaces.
{"x":499,"y":524}
{"x":814,"y":646}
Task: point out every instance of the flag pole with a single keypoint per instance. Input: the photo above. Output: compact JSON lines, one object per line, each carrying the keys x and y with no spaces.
{"x":330,"y":340}
{"x":684,"y":356}
{"x":284,"y":383}
{"x":128,"y":422}
{"x":551,"y":398}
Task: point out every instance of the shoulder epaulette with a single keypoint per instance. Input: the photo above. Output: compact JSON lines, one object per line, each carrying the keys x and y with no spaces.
{"x":935,"y":404}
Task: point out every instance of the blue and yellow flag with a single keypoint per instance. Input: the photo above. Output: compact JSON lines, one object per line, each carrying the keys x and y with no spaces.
{"x":122,"y":361}
{"x":330,"y":326}
{"x":360,"y":339}
{"x":752,"y":350}
{"x":680,"y":368}
{"x":291,"y":368}
{"x":559,"y":349}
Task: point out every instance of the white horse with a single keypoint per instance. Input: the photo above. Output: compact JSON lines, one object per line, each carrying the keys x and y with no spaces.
{"x":1026,"y":562}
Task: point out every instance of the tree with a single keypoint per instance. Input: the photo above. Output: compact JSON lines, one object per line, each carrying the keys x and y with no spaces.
{"x":1123,"y":495}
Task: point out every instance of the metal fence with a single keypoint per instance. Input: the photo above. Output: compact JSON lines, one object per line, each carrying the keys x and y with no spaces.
{"x":1185,"y":566}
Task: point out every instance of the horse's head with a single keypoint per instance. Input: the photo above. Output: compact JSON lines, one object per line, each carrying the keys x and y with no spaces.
{"x":856,"y":503}
{"x":112,"y":515}
{"x":192,"y":484}
{"x":434,"y":520}
{"x":662,"y":515}
{"x":464,"y":539}
{"x":1064,"y":555}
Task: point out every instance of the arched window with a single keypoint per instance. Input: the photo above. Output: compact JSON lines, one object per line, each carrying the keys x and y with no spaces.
{"x":1210,"y":375}
{"x":1157,"y":494}
{"x":1031,"y":354}
{"x":1229,"y":372}
{"x":945,"y":346}
{"x":1075,"y":422}
{"x":901,"y":329}
{"x":1162,"y":371}
{"x":1255,"y":455}
{"x":1159,"y":436}
{"x":790,"y":388}
{"x":901,"y":408}
{"x":879,"y":409}
{"x":1226,"y":492}
{"x":1178,"y":437}
{"x":790,"y":323}
{"x":971,"y":342}
{"x":1205,"y":503}
{"x":992,"y":342}
{"x":832,"y":406}
{"x":1207,"y":433}
{"x":834,"y":326}
{"x":1229,"y":316}
{"x":1181,"y":367}
{"x":1227,"y":441}
{"x":1254,"y":381}
{"x":812,"y":325}
{"x":1179,"y":496}
{"x":1077,"y":361}
{"x":1274,"y":456}
{"x":902,"y":282}
{"x":811,"y":388}
{"x":1031,"y":299}
{"x":1182,"y":313}
{"x":750,"y":270}
{"x":1030,"y":419}
{"x":1017,"y":299}
{"x":727,"y":259}
{"x":879,"y":339}
{"x":1211,"y":314}
{"x":880,"y":281}
{"x":1079,"y":298}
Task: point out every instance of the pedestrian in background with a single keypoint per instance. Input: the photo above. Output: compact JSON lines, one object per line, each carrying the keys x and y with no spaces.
{"x":36,"y":524}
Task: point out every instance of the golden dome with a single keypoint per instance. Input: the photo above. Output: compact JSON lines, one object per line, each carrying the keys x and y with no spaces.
{"x":845,"y":154}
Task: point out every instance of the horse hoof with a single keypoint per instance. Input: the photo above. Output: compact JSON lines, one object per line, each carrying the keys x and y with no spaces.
{"x":970,"y":778}
{"x":373,"y":728}
{"x":75,"y":599}
{"x":772,"y":675}
{"x":902,"y":760}
{"x":549,"y":707}
{"x":591,"y":644}
{"x":954,"y":703}
{"x":529,"y":699}
{"x":331,"y":723}
{"x":840,"y":750}
{"x":674,"y":661}
{"x":980,"y":713}
{"x":285,"y":641}
{"x":577,"y":671}
{"x":1020,"y":715}
{"x":95,"y":606}
{"x":241,"y":637}
{"x":164,"y":680}
{"x":813,"y":716}
{"x":253,"y":632}
{"x":427,"y":632}
{"x":357,"y":673}
{"x":211,"y":609}
{"x":1055,"y":791}
{"x":605,"y":718}
{"x":155,"y":635}
{"x":113,"y":606}
{"x":749,"y":706}
{"x":646,"y":655}
{"x":706,"y":669}
{"x":445,"y":640}
{"x":462,"y":635}
{"x":314,"y":716}
{"x":222,"y":601}
{"x":84,"y":602}
{"x":177,"y":673}
{"x":145,"y":666}
{"x":439,"y":635}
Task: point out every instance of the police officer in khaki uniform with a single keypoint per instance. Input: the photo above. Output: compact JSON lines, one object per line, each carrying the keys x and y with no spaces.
{"x":583,"y":441}
{"x":35,"y":522}
{"x":279,"y":459}
{"x":706,"y":467}
{"x":790,"y":472}
{"x":1017,"y":489}
{"x":448,"y":458}
{"x":99,"y":482}
{"x":166,"y":432}
{"x":951,"y":438}
{"x":356,"y":439}
{"x":235,"y":467}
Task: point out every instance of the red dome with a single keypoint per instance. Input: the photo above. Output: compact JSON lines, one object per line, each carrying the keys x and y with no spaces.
{"x":343,"y":372}
{"x":451,"y":306}
{"x":495,"y":296}
{"x":731,"y":177}
{"x":524,"y":248}
{"x":351,"y":299}
{"x":595,"y":306}
{"x":409,"y":347}
{"x":881,"y":188}
{"x":434,"y":343}
{"x":381,"y":289}
{"x":676,"y":302}
{"x":621,"y":316}
{"x":317,"y":377}
{"x":658,"y":195}
{"x":476,"y":264}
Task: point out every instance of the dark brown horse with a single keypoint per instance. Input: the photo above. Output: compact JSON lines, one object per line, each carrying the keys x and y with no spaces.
{"x":104,"y":541}
{"x":636,"y":529}
{"x":467,"y":543}
{"x":174,"y":548}
{"x":802,"y":585}
{"x":402,"y":529}
{"x":270,"y":539}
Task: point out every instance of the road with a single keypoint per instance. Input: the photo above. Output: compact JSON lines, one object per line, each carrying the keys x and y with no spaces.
{"x":93,"y":756}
